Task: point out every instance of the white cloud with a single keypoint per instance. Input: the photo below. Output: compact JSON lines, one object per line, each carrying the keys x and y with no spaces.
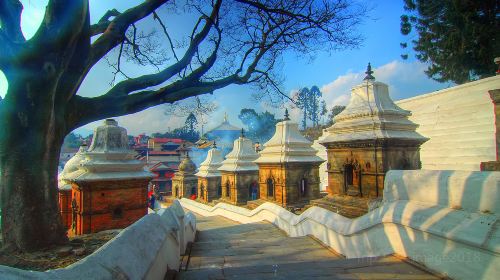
{"x":148,"y":121}
{"x":405,"y":79}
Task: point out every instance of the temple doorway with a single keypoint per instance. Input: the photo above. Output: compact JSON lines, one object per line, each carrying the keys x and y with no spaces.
{"x":348,"y":176}
{"x":303,"y":187}
{"x":228,"y":193}
{"x":270,"y":188}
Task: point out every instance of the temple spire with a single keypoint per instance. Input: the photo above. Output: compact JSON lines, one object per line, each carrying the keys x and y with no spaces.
{"x":225,"y":116}
{"x":369,"y":73}
{"x":242,"y":133}
{"x":287,"y":117}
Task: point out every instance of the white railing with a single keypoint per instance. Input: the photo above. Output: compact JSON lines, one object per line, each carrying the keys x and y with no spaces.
{"x":445,"y":220}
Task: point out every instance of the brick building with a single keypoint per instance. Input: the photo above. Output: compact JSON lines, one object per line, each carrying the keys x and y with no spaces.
{"x":109,"y":187}
{"x":288,"y":167}
{"x":239,"y":173}
{"x":209,"y":178}
{"x":370,"y":137}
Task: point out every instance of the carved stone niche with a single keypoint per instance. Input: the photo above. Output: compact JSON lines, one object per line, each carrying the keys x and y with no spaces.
{"x":351,"y":170}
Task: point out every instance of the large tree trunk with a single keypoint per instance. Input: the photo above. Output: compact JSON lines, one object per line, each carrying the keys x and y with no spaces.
{"x":30,"y":142}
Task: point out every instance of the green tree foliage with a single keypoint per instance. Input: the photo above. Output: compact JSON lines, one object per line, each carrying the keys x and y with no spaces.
{"x":310,"y":103}
{"x":314,"y":105}
{"x":302,"y":101}
{"x":72,"y":141}
{"x":260,"y":126}
{"x":324,"y":109}
{"x":187,"y":132}
{"x":178,"y":133}
{"x":337,"y":109}
{"x":191,"y":123}
{"x":459,"y":39}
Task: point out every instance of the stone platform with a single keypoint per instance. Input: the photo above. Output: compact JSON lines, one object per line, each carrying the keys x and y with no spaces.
{"x":347,"y":206}
{"x":228,"y":250}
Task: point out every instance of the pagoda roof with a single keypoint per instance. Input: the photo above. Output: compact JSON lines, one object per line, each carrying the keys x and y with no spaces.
{"x":167,"y":140}
{"x":163,"y":166}
{"x":163,"y":153}
{"x":288,"y":145}
{"x":225,"y":126}
{"x":205,"y":145}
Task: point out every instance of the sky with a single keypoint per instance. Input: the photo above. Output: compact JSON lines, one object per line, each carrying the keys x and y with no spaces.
{"x":335,"y":73}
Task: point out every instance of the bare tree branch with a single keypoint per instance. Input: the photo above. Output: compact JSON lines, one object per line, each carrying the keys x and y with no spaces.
{"x":172,"y":48}
{"x":103,"y":23}
{"x":115,"y":32}
{"x":145,"y":81}
{"x":96,"y":108}
{"x":265,"y":30}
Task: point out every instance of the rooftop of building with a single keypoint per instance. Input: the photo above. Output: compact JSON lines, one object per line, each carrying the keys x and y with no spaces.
{"x":225,"y":126}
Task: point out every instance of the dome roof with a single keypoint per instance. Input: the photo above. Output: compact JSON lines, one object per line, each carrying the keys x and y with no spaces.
{"x":208,"y":168}
{"x":73,"y":163}
{"x":187,"y":166}
{"x":288,"y":145}
{"x":241,"y":157}
{"x":108,"y":157}
{"x":371,"y":114}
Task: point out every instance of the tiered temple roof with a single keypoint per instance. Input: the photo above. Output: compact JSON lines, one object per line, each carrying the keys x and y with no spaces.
{"x":288,"y":145}
{"x":371,"y":114}
{"x":209,"y":167}
{"x":108,"y":158}
{"x":242,"y":157}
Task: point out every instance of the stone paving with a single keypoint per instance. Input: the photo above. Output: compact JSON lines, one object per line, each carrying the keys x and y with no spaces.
{"x":228,"y":250}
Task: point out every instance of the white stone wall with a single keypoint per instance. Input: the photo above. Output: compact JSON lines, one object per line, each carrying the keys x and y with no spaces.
{"x":323,"y":175}
{"x":445,"y":220}
{"x":460,"y":123}
{"x":144,"y":250}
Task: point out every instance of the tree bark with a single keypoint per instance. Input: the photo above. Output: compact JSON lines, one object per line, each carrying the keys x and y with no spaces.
{"x":30,"y":142}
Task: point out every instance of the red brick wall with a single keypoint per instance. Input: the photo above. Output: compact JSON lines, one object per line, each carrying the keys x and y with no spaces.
{"x":109,"y":204}
{"x":65,"y":207}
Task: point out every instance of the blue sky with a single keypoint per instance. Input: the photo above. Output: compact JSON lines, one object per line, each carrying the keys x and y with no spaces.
{"x":335,"y":73}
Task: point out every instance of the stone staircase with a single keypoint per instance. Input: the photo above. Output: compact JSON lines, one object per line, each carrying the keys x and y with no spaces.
{"x":227,"y":250}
